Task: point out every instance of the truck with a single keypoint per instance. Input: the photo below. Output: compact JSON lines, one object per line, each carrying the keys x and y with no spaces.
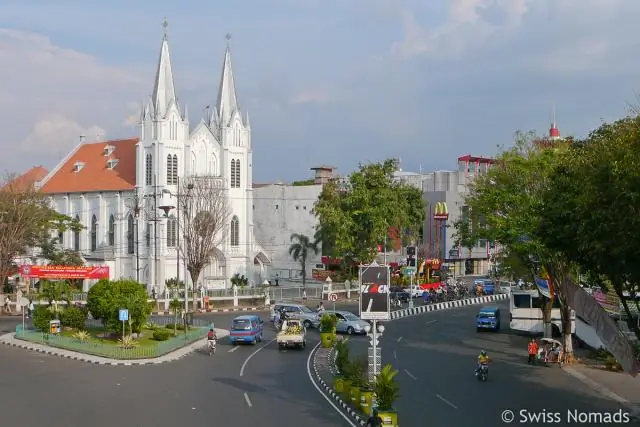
{"x":293,"y":334}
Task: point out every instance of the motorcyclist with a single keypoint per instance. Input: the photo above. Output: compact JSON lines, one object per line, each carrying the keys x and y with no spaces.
{"x":211,"y":335}
{"x":283,"y":316}
{"x":483,"y":359}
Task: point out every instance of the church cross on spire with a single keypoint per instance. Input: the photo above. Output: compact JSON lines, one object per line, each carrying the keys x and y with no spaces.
{"x":165,"y":26}
{"x":228,"y":38}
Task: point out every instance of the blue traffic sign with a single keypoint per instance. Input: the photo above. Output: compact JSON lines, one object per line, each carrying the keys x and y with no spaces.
{"x":123,"y":314}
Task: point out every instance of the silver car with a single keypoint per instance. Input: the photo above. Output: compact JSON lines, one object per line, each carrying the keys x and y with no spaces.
{"x":349,"y":323}
{"x":309,"y":318}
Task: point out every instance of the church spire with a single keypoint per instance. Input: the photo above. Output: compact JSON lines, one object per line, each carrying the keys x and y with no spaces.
{"x":164,"y":90}
{"x":227,"y":102}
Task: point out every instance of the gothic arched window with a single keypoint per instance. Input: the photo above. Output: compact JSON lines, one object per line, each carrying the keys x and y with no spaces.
{"x":147,"y":236}
{"x":94,"y":233}
{"x":237,"y":173}
{"x":174,"y":169}
{"x":172,"y":233}
{"x":112,"y":230}
{"x":76,"y":237}
{"x":169,"y":169}
{"x":235,"y":231}
{"x":130,"y":235}
{"x":148,"y":170}
{"x":233,"y":173}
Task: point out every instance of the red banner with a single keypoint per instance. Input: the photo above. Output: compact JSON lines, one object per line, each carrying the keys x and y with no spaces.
{"x":63,"y":272}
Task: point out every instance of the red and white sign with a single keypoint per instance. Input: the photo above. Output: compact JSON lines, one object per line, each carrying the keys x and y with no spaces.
{"x":63,"y":272}
{"x":333,"y":297}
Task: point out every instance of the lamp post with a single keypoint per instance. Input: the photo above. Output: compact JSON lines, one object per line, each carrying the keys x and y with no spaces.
{"x":374,"y":332}
{"x":166,"y":210}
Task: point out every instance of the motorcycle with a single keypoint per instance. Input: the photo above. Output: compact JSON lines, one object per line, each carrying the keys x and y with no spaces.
{"x":483,"y":373}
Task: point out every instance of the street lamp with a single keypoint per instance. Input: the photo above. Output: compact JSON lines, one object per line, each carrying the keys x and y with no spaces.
{"x":167,"y":209}
{"x":374,"y":332}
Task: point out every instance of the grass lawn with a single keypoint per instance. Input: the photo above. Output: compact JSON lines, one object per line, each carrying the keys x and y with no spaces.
{"x":96,"y":337}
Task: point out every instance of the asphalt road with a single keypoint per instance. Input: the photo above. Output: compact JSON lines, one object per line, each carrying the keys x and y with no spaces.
{"x":435,"y":355}
{"x":239,"y":386}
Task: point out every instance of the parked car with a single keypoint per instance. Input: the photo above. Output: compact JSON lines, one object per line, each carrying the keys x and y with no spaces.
{"x":309,"y":318}
{"x":349,"y":323}
{"x":415,"y":291}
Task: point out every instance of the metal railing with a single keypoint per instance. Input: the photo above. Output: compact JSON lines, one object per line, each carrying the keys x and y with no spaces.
{"x":112,"y":350}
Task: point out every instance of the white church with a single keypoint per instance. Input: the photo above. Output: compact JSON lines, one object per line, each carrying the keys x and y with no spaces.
{"x":102,"y":183}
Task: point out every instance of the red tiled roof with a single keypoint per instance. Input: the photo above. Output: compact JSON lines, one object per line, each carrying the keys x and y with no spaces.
{"x":95,"y":175}
{"x":27,"y":179}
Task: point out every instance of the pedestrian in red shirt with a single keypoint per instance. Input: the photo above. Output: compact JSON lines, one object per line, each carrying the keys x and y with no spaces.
{"x":533,"y":351}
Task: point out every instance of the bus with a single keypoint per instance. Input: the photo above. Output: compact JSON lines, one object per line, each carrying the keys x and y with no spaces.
{"x":525,"y":314}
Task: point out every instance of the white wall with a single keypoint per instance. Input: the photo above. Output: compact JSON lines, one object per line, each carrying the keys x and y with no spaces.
{"x":279,"y":211}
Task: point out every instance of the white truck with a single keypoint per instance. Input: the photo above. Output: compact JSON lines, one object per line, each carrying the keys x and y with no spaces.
{"x":293,"y":334}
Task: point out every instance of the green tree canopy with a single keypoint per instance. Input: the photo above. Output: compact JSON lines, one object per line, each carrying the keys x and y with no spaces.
{"x":355,"y":216}
{"x":106,"y":298}
{"x":591,"y":208}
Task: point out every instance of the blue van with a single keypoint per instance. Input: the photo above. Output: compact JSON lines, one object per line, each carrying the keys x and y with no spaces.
{"x":246,"y":329}
{"x":488,"y":318}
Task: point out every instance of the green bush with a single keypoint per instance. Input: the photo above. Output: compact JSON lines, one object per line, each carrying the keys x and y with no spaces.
{"x":106,"y":298}
{"x":178,"y":326}
{"x":73,"y":317}
{"x":161,"y":334}
{"x":41,"y":317}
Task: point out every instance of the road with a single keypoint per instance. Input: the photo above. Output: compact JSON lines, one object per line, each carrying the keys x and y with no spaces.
{"x":435,"y":355}
{"x":239,"y":386}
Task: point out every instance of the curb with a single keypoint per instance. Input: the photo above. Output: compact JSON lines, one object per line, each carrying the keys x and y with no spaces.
{"x":406,"y":312}
{"x":346,"y":408}
{"x":634,"y":410}
{"x":214,"y":310}
{"x":10,"y":340}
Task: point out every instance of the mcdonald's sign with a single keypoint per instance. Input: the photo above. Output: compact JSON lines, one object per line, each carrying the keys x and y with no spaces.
{"x":441,"y":212}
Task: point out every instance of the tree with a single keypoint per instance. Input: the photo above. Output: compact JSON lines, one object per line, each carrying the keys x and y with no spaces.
{"x":354,"y":217}
{"x":204,"y":224}
{"x":592,"y":206}
{"x":176,"y":307}
{"x":300,"y":249}
{"x":25,"y":216}
{"x":106,"y":298}
{"x":505,"y":206}
{"x":58,"y":290}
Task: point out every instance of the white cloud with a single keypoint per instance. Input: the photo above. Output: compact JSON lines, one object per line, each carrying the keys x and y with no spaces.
{"x":310,"y":96}
{"x":51,"y":95}
{"x":57,"y":134}
{"x":133,"y":114}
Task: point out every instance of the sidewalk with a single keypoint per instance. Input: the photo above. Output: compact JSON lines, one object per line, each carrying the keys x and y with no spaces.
{"x":621,"y":387}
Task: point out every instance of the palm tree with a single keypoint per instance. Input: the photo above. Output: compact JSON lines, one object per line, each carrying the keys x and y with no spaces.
{"x":299,"y":251}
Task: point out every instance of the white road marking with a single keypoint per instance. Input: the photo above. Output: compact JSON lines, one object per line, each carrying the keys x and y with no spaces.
{"x":399,"y":339}
{"x":395,"y":356}
{"x":446,"y":401}
{"x":431,"y":322}
{"x":369,"y":306}
{"x":246,"y":398}
{"x":319,"y":390}
{"x":413,"y":377}
{"x":234,"y":349}
{"x":244,"y":365}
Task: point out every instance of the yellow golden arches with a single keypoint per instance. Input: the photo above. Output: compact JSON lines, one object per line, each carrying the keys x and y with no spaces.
{"x":441,"y":211}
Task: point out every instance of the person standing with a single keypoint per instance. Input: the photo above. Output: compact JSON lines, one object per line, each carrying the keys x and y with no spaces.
{"x":533,"y":351}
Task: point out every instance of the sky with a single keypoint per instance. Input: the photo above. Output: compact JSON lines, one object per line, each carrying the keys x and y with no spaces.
{"x":338,"y":82}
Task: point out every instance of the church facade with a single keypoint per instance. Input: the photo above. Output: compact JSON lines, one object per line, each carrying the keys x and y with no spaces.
{"x":125,"y":192}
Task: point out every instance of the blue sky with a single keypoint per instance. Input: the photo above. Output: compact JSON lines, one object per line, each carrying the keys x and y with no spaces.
{"x":337,"y":82}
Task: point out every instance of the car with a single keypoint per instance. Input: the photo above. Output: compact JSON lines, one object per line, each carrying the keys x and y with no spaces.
{"x":415,"y":291}
{"x":349,"y":323}
{"x":400,"y":295}
{"x":488,"y":318}
{"x":246,"y":329}
{"x":309,"y":318}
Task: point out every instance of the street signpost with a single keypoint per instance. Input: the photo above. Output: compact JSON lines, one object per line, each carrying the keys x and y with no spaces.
{"x":374,"y":306}
{"x":123,"y":315}
{"x":333,"y":298}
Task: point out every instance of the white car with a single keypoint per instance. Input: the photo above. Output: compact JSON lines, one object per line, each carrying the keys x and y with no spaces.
{"x":415,"y":291}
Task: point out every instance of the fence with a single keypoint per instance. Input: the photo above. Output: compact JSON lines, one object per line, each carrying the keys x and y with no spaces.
{"x":113,"y":350}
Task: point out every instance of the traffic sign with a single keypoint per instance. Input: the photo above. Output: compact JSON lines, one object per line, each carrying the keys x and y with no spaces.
{"x":333,"y":297}
{"x":123,"y":315}
{"x":410,"y":271}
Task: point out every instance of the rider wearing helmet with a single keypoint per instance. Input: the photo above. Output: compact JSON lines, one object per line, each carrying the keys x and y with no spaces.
{"x":483,"y":359}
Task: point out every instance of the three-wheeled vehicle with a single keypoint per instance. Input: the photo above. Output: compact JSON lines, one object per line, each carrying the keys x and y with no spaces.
{"x":551,"y":351}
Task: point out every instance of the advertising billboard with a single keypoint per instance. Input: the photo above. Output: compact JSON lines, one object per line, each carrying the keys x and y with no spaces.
{"x":374,"y":292}
{"x":64,"y":272}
